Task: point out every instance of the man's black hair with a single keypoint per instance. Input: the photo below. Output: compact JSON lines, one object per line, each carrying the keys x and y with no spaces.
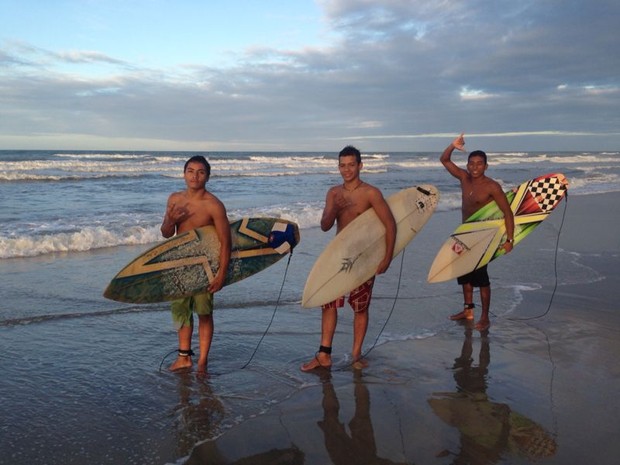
{"x":348,"y":151}
{"x":199,"y":159}
{"x":478,"y":153}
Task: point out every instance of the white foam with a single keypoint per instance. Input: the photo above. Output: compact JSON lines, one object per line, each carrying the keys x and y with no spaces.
{"x":80,"y":241}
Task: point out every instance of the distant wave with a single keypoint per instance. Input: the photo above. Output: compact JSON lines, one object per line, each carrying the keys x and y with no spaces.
{"x":554,"y":158}
{"x":28,"y":244}
{"x":81,"y":241}
{"x":29,"y":177}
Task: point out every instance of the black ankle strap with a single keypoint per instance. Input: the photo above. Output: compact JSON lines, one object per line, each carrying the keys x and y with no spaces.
{"x":324,"y":349}
{"x":469,"y":306}
{"x":186,"y":353}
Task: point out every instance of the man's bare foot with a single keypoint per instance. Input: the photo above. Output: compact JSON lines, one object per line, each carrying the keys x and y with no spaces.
{"x":359,"y":364}
{"x":201,"y":367}
{"x":466,"y":314}
{"x":181,"y":363}
{"x":482,"y":325}
{"x":320,"y":360}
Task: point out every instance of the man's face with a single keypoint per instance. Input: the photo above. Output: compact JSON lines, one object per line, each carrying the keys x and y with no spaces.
{"x":476,"y":166}
{"x":195,"y":175}
{"x":349,"y":167}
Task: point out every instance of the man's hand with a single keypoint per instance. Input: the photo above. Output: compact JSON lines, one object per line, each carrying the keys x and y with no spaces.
{"x":178,"y":214}
{"x":508,"y":246}
{"x":217,"y":283}
{"x":459,"y":143}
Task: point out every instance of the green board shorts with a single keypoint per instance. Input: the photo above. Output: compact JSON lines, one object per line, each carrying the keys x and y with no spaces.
{"x":182,"y":309}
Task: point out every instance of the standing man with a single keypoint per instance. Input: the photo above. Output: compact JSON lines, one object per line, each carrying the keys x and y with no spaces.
{"x":477,"y":190}
{"x":343,"y":204}
{"x":193,"y":208}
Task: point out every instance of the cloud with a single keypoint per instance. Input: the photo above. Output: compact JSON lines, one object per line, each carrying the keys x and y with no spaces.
{"x":393,"y":72}
{"x":76,"y":56}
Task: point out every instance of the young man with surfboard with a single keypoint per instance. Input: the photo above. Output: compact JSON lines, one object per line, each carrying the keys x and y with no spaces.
{"x":193,"y":208}
{"x":343,"y":204}
{"x":477,"y":190}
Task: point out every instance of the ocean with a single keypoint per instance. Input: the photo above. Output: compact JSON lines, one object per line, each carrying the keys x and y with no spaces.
{"x":84,"y":378}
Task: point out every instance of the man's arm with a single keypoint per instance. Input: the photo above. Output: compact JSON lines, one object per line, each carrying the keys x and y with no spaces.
{"x":330,"y":212}
{"x":222,"y":229}
{"x":446,"y":159}
{"x":385,"y":215}
{"x":169,"y":224}
{"x":500,"y":198}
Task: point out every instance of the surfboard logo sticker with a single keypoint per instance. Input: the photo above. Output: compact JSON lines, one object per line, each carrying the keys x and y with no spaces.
{"x":459,"y":246}
{"x":424,"y":204}
{"x":347,"y":263}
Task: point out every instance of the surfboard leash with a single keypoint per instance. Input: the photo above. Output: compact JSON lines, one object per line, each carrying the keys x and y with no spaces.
{"x":400,"y":275}
{"x":555,"y":268}
{"x":273,"y":315}
{"x":166,"y":356}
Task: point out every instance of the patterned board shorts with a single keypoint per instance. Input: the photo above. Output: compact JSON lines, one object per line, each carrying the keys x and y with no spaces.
{"x":183,"y":309}
{"x":359,"y":298}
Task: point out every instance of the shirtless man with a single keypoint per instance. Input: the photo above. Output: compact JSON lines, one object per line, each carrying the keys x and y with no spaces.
{"x":343,"y":204}
{"x":477,"y":190}
{"x":193,"y":208}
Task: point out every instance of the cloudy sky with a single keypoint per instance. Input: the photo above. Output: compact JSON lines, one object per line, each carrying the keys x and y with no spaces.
{"x":263,"y":75}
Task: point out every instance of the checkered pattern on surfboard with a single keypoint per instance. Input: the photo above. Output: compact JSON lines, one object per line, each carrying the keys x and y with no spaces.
{"x":547,"y":192}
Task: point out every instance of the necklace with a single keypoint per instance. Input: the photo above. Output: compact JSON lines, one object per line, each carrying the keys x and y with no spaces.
{"x":351,"y":190}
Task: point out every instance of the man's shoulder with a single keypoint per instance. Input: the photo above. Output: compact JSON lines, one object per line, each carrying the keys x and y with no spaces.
{"x":492,"y":183}
{"x":210,"y":197}
{"x":370,"y":190}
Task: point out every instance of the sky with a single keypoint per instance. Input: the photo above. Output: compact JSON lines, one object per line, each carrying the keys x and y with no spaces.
{"x":303,"y":75}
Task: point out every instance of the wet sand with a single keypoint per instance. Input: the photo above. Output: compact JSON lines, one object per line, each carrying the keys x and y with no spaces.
{"x":540,"y":386}
{"x":542,"y":390}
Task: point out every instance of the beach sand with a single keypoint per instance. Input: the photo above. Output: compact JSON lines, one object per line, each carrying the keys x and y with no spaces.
{"x":539,"y":390}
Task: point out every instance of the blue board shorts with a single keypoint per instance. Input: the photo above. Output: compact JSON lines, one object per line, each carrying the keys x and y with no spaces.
{"x":477,"y":278}
{"x":183,"y":309}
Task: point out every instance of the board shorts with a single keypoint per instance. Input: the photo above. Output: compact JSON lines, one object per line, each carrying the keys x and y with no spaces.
{"x":477,"y":278}
{"x":183,"y":309}
{"x":359,"y":298}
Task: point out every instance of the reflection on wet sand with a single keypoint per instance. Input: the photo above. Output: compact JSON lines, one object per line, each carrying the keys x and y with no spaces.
{"x":198,"y":413}
{"x":488,"y":430}
{"x":359,"y":447}
{"x":199,"y":419}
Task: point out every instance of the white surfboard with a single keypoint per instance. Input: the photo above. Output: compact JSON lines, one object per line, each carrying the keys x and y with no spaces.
{"x":352,"y":257}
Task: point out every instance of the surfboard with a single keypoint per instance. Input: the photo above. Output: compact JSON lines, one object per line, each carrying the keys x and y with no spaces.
{"x":353,"y":255}
{"x":183,"y":265}
{"x":479,"y":239}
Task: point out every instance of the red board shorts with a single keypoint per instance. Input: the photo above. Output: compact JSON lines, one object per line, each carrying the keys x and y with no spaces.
{"x":359,"y":298}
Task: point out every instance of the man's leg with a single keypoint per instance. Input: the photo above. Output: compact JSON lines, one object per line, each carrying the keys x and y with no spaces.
{"x":360,"y":303}
{"x":184,"y":358}
{"x":468,"y":304}
{"x":360,"y":325}
{"x":485,"y":299}
{"x":205,"y":334}
{"x":323,"y":358}
{"x":184,"y":323}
